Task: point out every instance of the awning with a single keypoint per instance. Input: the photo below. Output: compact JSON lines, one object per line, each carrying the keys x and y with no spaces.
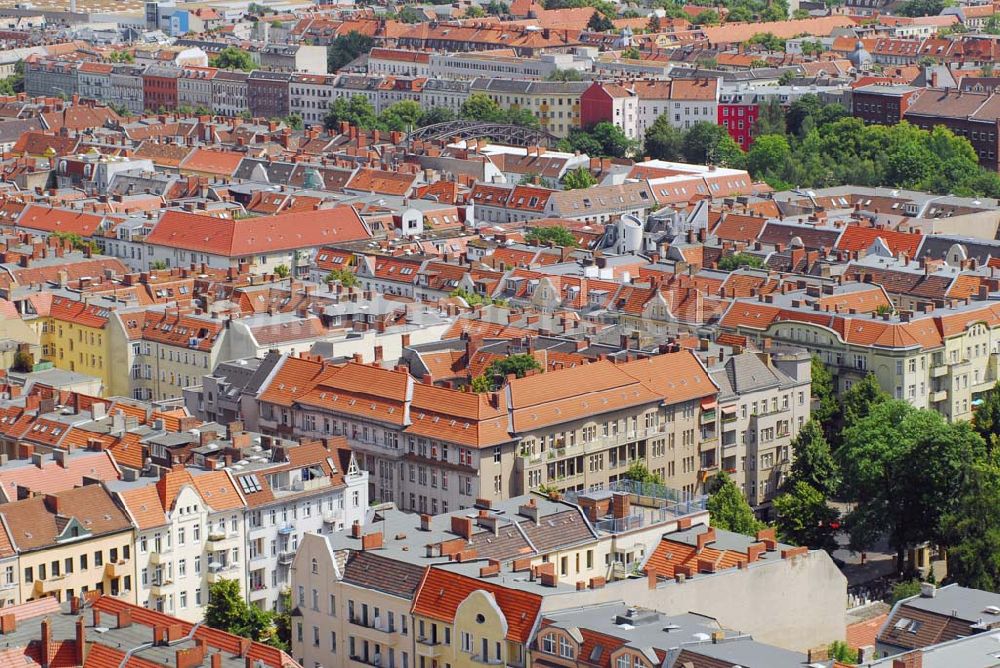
{"x":728,"y":410}
{"x":708,"y":403}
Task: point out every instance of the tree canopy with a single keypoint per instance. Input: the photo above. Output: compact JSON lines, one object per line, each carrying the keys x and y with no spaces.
{"x":905,"y":468}
{"x":578,"y":178}
{"x":737,"y":260}
{"x":804,"y":518}
{"x":345,"y":48}
{"x":605,"y":139}
{"x":556,"y":234}
{"x":728,"y":507}
{"x":971,"y":530}
{"x":231,"y":58}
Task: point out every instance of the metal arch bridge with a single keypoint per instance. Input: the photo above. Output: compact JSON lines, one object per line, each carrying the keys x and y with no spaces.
{"x":514,"y":135}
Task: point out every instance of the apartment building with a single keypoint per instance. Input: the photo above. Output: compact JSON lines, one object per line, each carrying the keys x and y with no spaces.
{"x":764,"y":399}
{"x":445,"y":93}
{"x":50,"y":78}
{"x":95,"y":80}
{"x":942,"y":359}
{"x":159,"y":87}
{"x":267,"y":94}
{"x":683,"y":101}
{"x":194,"y":88}
{"x":71,"y":542}
{"x":472,"y":588}
{"x":127,"y":88}
{"x":311,"y":95}
{"x":161,"y":352}
{"x":74,"y":335}
{"x":189,"y":534}
{"x":375,"y":602}
{"x":610,"y":103}
{"x":229,"y":93}
{"x":312,"y":488}
{"x":556,"y":104}
{"x":435,"y":449}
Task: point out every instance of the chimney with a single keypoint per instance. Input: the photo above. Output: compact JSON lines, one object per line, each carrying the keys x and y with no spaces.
{"x":81,"y":641}
{"x":46,"y":643}
{"x":371,"y":541}
{"x":462,"y":526}
{"x":706,"y":538}
{"x":621,"y":506}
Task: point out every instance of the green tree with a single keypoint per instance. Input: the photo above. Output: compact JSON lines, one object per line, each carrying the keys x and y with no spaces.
{"x":402,"y":116}
{"x":294,"y":121}
{"x":481,"y":384}
{"x":813,"y":461}
{"x":904,"y":589}
{"x":600,"y":23}
{"x":770,"y":118}
{"x":992,"y":25}
{"x":767,"y":41}
{"x":520,"y":116}
{"x":737,"y":260}
{"x":281,"y":271}
{"x":22,"y":362}
{"x":345,"y":48}
{"x":663,"y":141}
{"x":481,"y":107}
{"x":858,"y":401}
{"x":638,"y":472}
{"x":654,"y":24}
{"x":121,"y":57}
{"x":410,"y":14}
{"x":768,"y":156}
{"x":497,"y":8}
{"x":582,"y":141}
{"x":613,"y":141}
{"x":632,"y":53}
{"x":728,"y":508}
{"x":564,"y":75}
{"x":986,"y":419}
{"x":839,"y":650}
{"x":804,"y":518}
{"x":226,"y":607}
{"x":916,"y":8}
{"x":283,"y":618}
{"x":904,"y":468}
{"x":825,"y":406}
{"x":435,"y":115}
{"x":231,"y":58}
{"x":555,"y":234}
{"x":708,"y":143}
{"x":474,"y":12}
{"x":343,"y":276}
{"x":971,"y":531}
{"x":357,"y":111}
{"x":158,"y":265}
{"x":709,"y":17}
{"x":578,"y":178}
{"x":496,"y":373}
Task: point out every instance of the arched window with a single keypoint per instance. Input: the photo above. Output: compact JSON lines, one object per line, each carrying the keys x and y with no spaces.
{"x":315,"y":566}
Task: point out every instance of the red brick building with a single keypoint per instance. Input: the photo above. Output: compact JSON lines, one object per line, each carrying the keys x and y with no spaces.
{"x":883,"y":104}
{"x":159,"y":88}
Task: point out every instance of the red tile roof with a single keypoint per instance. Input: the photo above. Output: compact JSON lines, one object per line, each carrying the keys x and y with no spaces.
{"x":252,"y":236}
{"x":441,"y":593}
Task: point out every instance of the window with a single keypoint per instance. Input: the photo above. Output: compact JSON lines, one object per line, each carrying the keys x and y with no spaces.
{"x":466,"y":642}
{"x":565,"y":649}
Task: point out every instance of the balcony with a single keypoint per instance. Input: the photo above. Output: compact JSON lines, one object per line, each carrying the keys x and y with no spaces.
{"x":222,"y":541}
{"x":376,"y":624}
{"x":160,"y":587}
{"x":286,"y":557}
{"x":159,"y":556}
{"x":258,"y":592}
{"x":938,"y":396}
{"x":333,"y":516}
{"x":286,"y":529}
{"x":430,"y":649}
{"x":117,"y":569}
{"x":219,"y":573}
{"x":939,"y":370}
{"x":375,"y":660}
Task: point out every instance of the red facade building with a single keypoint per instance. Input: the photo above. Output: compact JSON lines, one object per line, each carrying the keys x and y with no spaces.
{"x":738,"y":111}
